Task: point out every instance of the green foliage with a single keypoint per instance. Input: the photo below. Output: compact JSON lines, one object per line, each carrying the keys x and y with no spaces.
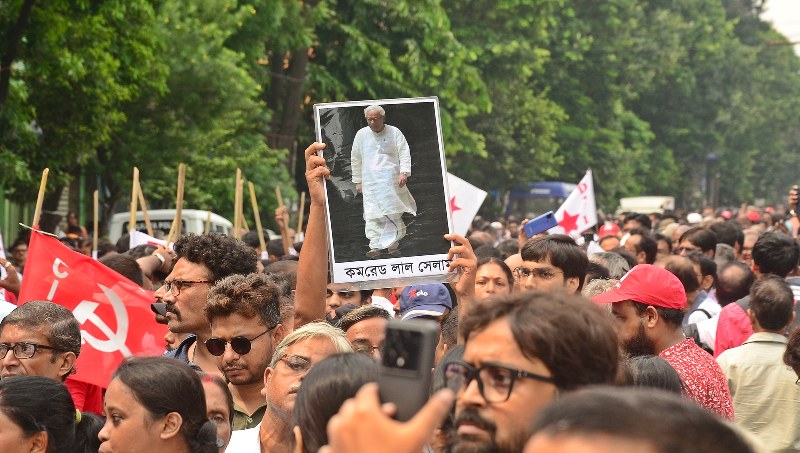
{"x":644,"y":93}
{"x":76,"y":64}
{"x":209,"y":117}
{"x":370,"y":49}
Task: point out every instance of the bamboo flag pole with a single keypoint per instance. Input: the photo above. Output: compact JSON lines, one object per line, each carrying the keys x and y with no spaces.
{"x":279,"y":196}
{"x":237,"y":205}
{"x":96,"y":221}
{"x":257,"y":215}
{"x":134,"y":189}
{"x":175,"y":229}
{"x":207,"y":229}
{"x":300,"y":214}
{"x":40,"y":198}
{"x":245,"y":226}
{"x":147,"y":223}
{"x":179,"y":204}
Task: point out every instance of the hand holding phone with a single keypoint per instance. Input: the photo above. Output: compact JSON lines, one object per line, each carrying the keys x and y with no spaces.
{"x":406,"y":363}
{"x":540,"y":224}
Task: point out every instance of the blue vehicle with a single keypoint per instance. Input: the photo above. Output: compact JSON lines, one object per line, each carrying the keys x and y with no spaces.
{"x":537,"y":198}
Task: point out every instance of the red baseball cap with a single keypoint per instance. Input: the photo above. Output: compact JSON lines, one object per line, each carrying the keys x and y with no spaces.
{"x":608,"y":229}
{"x":649,"y":285}
{"x":753,"y":216}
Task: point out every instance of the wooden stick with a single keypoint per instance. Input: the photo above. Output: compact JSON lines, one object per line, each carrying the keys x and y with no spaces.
{"x":257,"y":215}
{"x":134,"y":190}
{"x":95,"y":234}
{"x":179,"y":195}
{"x":279,"y":196}
{"x":302,"y":211}
{"x":179,"y":203}
{"x":237,"y":205}
{"x":245,"y":226}
{"x":40,"y":198}
{"x":207,"y":229}
{"x":144,"y":210}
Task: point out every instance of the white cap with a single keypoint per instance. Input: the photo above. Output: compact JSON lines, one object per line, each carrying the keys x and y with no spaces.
{"x":694,"y":218}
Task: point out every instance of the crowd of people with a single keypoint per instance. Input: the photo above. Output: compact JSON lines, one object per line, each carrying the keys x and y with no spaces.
{"x":658,"y":333}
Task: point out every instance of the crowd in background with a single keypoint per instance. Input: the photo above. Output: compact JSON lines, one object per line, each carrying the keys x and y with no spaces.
{"x":654,"y":332}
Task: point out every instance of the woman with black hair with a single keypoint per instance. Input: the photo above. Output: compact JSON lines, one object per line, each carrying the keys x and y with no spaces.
{"x":329,"y":384}
{"x":37,"y":415}
{"x":156,"y":404}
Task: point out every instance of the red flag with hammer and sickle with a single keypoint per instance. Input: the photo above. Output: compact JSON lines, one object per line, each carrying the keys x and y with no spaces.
{"x":114,"y":313}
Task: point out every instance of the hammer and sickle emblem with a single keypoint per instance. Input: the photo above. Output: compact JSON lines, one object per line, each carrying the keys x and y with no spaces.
{"x":85,"y":311}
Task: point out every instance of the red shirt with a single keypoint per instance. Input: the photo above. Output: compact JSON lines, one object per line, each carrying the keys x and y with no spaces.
{"x":733,"y":328}
{"x":87,"y":397}
{"x":703,"y":380}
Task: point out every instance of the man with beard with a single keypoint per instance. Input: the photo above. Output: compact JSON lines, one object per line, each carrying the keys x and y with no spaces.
{"x":244,"y":313}
{"x":294,"y":356}
{"x":201,"y":262}
{"x":520,"y":354}
{"x":647,"y":305}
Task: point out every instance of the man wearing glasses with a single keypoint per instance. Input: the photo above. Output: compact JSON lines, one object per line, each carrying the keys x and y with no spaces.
{"x":201,"y":262}
{"x":244,"y":313}
{"x":39,"y":338}
{"x":522,"y":351}
{"x":294,"y":356}
{"x":552,"y":263}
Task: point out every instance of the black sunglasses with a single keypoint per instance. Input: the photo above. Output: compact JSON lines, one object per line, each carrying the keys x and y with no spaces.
{"x":240,"y":345}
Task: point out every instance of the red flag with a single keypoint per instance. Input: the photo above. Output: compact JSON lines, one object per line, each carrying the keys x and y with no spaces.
{"x":114,"y":313}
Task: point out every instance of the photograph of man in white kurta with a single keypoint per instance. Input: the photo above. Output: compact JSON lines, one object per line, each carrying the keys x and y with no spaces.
{"x":380,"y":162}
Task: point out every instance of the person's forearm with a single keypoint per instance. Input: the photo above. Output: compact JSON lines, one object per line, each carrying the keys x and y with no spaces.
{"x":149,"y":264}
{"x":312,"y":270}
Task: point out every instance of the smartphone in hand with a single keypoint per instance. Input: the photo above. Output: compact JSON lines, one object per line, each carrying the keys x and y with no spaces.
{"x":406,"y":365}
{"x":540,"y":224}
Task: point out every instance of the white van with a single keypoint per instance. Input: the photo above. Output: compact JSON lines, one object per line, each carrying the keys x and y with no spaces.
{"x":646,"y":205}
{"x":192,"y":221}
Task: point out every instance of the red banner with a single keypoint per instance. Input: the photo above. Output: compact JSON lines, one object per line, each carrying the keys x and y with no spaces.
{"x":114,"y":313}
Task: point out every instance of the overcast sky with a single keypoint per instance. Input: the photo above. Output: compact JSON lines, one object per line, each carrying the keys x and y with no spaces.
{"x":785,"y":17}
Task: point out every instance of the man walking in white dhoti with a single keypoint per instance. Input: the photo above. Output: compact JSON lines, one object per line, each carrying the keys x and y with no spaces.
{"x":381,"y":165}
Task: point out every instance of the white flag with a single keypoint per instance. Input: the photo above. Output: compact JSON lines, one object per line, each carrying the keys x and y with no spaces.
{"x":465,"y":201}
{"x":139,"y":238}
{"x":579,"y":211}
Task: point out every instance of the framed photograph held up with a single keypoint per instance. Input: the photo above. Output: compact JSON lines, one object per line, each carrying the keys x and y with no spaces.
{"x":387,"y":198}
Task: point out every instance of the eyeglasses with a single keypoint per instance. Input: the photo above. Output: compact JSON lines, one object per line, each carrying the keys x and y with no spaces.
{"x":364,"y":347}
{"x":175,"y":286}
{"x":23,"y":350}
{"x":495,"y":382}
{"x":539,"y":274}
{"x":295,"y":363}
{"x":797,"y":382}
{"x":240,"y":345}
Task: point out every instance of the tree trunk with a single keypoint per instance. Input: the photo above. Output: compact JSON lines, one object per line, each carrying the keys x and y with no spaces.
{"x":12,"y":49}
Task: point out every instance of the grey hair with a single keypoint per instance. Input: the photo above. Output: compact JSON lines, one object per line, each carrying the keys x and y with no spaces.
{"x":376,"y":108}
{"x":312,"y":330}
{"x":616,"y":264}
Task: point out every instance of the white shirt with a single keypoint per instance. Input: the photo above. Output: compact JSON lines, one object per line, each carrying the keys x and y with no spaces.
{"x":245,"y":441}
{"x":376,"y":161}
